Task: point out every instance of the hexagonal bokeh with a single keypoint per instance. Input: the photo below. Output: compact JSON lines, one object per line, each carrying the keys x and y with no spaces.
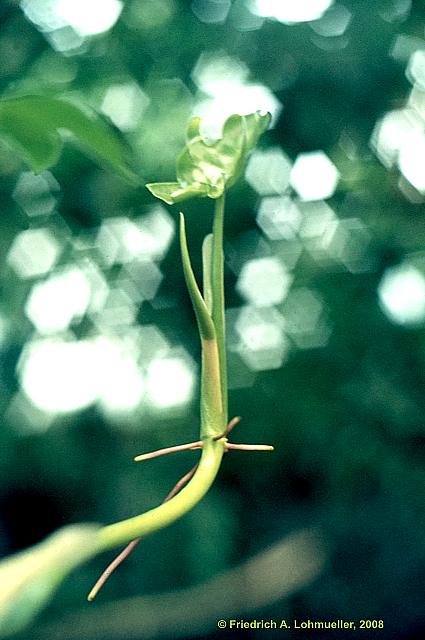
{"x":85,"y":19}
{"x":264,"y":281}
{"x":35,"y":193}
{"x":262,"y":342}
{"x":121,"y":240}
{"x":279,"y":217}
{"x":411,"y":161}
{"x":225,"y":89}
{"x":268,"y":171}
{"x":318,"y":226}
{"x":170,"y":380}
{"x":211,"y":11}
{"x":392,"y":132}
{"x":53,"y":304}
{"x":61,"y":375}
{"x":119,"y":309}
{"x":334,"y":22}
{"x":314,"y":176}
{"x":33,"y":253}
{"x":125,"y":104}
{"x":416,"y":68}
{"x":349,"y":244}
{"x":151,"y":343}
{"x":146,"y":277}
{"x":291,"y":12}
{"x":157,"y":229}
{"x":305,"y":319}
{"x":402,"y":294}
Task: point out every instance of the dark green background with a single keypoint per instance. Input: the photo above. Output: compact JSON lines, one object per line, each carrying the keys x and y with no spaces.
{"x":346,"y":418}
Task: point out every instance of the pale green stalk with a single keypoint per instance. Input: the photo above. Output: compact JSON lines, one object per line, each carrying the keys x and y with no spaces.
{"x":213,"y":393}
{"x":28,"y":579}
{"x":159,"y":517}
{"x":217,"y":286}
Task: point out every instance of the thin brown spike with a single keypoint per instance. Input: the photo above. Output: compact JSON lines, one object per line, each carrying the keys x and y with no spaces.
{"x":131,"y":545}
{"x":167,"y":450}
{"x":111,"y":568}
{"x":233,"y":422}
{"x":249,"y":447}
{"x":181,"y":483}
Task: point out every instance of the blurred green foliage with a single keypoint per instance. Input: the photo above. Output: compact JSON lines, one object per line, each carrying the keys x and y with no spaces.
{"x":322,"y":363}
{"x":33,"y":124}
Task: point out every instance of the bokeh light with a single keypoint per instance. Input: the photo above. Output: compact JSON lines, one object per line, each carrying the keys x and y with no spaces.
{"x":264,"y":281}
{"x":124,"y":104}
{"x":211,"y":11}
{"x":334,"y":22}
{"x":279,"y":217}
{"x":268,"y":171}
{"x":170,"y":381}
{"x":225,"y":89}
{"x":402,"y":294}
{"x":36,"y":193}
{"x":262,"y":342}
{"x":325,"y":280}
{"x":289,"y":12}
{"x":314,"y":176}
{"x":61,"y":376}
{"x":34,"y":252}
{"x":54,"y":303}
{"x":85,"y":19}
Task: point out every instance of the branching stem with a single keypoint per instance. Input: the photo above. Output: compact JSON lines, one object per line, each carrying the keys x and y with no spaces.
{"x":213,"y":443}
{"x":122,"y":532}
{"x":133,"y":544}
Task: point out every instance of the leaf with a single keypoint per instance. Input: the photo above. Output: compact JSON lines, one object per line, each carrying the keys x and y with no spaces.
{"x":205,"y":169}
{"x":254,"y":125}
{"x":193,"y":129}
{"x":172,"y":192}
{"x":34,"y":126}
{"x":205,"y":323}
{"x":28,"y":578}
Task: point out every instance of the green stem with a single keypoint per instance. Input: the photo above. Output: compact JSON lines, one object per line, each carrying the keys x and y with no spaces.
{"x":212,"y":423}
{"x":213,"y":401}
{"x":217,"y":283}
{"x":212,"y":419}
{"x":159,"y":517}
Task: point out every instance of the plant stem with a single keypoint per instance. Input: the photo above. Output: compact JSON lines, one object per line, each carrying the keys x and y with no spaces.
{"x":213,"y":401}
{"x":217,"y":282}
{"x":133,"y":544}
{"x":212,"y":418}
{"x":159,"y":517}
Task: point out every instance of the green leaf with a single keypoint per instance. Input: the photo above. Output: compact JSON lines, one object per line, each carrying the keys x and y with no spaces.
{"x":28,"y":579}
{"x":202,"y":170}
{"x":205,"y":323}
{"x":172,"y":192}
{"x":209,"y":169}
{"x":34,"y":126}
{"x":193,"y":129}
{"x":254,"y":125}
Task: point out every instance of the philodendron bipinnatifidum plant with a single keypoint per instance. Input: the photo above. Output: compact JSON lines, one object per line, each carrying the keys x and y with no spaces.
{"x":204,"y":170}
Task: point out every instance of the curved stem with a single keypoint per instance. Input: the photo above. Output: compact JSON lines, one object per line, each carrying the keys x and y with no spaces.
{"x":159,"y":517}
{"x":213,"y":398}
{"x":133,"y":544}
